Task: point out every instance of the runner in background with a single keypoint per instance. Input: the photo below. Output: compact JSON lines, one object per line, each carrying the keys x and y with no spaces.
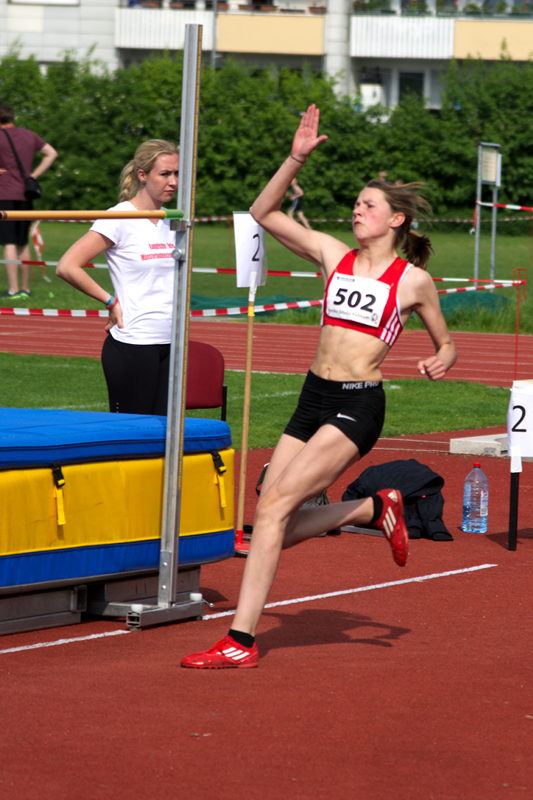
{"x":296,"y":194}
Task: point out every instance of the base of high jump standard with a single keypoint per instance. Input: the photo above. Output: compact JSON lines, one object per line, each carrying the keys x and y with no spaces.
{"x":133,"y":599}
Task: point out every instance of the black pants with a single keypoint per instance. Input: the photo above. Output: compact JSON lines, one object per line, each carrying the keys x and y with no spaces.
{"x":15,"y":231}
{"x":136,"y":376}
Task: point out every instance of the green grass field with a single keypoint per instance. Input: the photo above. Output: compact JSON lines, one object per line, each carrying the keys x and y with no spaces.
{"x":412,"y":406}
{"x":213,"y":246}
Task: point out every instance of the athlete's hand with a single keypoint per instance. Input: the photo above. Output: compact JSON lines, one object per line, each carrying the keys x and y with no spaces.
{"x":115,"y":317}
{"x":306,"y":137}
{"x":432,"y":368}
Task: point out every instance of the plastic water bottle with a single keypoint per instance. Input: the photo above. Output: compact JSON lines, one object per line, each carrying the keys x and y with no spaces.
{"x":475,"y":501}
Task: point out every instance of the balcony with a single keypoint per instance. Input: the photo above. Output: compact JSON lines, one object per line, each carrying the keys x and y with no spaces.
{"x":410,"y":29}
{"x":288,"y":27}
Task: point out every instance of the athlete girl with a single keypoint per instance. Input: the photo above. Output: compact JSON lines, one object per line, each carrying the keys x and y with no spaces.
{"x":135,"y":354}
{"x":370,"y":293}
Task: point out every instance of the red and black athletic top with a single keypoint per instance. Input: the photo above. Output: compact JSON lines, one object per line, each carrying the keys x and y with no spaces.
{"x":368,"y":305}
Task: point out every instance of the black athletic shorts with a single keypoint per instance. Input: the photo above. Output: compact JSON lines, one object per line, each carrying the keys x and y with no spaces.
{"x":297,"y":204}
{"x":15,"y":231}
{"x":357,"y":408}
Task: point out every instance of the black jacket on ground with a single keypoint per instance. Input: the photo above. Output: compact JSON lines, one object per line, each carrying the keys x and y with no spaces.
{"x":421,"y":491}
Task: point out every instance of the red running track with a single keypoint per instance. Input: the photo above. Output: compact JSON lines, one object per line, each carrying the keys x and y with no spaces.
{"x":483,"y":357}
{"x":375,"y":683}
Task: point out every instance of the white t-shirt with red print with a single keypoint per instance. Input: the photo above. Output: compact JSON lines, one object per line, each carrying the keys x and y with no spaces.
{"x":141,"y":266}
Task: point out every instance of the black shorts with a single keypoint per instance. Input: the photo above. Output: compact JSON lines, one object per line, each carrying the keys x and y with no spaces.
{"x":15,"y":231}
{"x":357,"y":408}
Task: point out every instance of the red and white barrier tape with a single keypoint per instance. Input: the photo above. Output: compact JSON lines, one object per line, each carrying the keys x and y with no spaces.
{"x":220,"y":312}
{"x":505,"y":205}
{"x":503,"y":282}
{"x":505,"y":285}
{"x":223,"y":312}
{"x":199,"y":312}
{"x":204,"y":270}
{"x":278,"y":273}
{"x":196,"y":219}
{"x":53,"y":312}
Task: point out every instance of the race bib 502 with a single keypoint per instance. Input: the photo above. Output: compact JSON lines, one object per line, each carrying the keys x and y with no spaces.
{"x":355,"y":299}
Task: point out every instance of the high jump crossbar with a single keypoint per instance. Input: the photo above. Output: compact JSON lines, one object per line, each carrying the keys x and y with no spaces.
{"x":160,"y":213}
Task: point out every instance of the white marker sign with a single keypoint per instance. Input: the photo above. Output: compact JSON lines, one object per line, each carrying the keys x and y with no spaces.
{"x":249,"y":250}
{"x":520,"y":423}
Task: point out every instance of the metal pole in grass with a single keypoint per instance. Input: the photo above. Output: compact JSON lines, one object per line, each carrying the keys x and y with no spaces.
{"x":250,"y":258}
{"x":172,"y":488}
{"x":519,"y":274}
{"x":242,"y":546}
{"x":489,"y":171}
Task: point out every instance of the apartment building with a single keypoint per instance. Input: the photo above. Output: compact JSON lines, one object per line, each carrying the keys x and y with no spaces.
{"x":376,"y":49}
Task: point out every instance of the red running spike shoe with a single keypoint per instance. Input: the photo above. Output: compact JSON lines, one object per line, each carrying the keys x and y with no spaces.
{"x":392,"y":523}
{"x":223,"y":655}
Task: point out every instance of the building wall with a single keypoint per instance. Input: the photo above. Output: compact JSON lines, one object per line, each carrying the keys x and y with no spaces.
{"x":485,"y":38}
{"x":46,"y":31}
{"x":373,"y":52}
{"x":267,"y":33}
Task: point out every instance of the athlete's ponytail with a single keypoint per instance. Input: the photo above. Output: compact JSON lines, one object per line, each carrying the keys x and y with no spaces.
{"x":417,"y":248}
{"x":129,"y":183}
{"x":405,"y":198}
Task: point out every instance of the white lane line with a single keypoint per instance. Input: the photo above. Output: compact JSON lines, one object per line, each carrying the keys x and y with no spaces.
{"x":59,"y":642}
{"x":308,"y":599}
{"x":371,"y":588}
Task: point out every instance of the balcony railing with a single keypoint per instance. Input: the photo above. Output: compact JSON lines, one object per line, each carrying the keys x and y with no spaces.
{"x":457,"y":8}
{"x":283,"y":6}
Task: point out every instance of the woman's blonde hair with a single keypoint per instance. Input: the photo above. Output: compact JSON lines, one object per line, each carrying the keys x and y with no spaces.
{"x":406,"y":199}
{"x":145,"y":157}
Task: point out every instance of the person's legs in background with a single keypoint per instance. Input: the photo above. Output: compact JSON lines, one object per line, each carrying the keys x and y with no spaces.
{"x":14,"y":238}
{"x":13,"y":255}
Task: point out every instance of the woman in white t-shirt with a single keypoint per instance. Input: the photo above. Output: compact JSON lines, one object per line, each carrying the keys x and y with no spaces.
{"x":135,"y":354}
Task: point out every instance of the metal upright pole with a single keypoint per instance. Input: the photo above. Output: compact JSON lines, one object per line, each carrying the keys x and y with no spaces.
{"x":168,"y":566}
{"x":214,"y":34}
{"x":478,"y":213}
{"x":513,"y":511}
{"x":493,"y":227}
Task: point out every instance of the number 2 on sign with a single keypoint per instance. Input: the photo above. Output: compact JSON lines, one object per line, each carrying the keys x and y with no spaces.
{"x":255,"y":256}
{"x":249,"y":249}
{"x":521,"y":417}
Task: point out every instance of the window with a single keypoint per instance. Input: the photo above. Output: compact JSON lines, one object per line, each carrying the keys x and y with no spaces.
{"x":411,"y":83}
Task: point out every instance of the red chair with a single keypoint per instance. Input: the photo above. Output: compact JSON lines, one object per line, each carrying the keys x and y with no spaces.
{"x":205,"y":378}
